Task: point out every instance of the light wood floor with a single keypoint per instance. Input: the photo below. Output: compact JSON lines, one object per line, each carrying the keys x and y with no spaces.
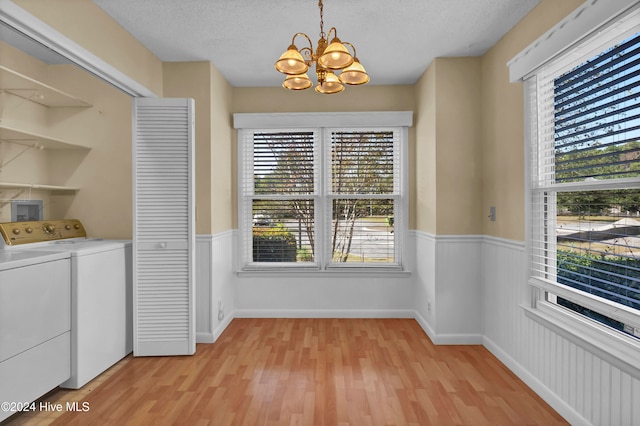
{"x":308,"y":372}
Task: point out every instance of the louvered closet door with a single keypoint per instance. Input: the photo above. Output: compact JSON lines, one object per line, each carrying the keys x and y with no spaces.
{"x":163,"y":227}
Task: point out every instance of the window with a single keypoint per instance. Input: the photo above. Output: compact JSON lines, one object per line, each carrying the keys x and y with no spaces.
{"x":585,"y":180}
{"x":321,"y":198}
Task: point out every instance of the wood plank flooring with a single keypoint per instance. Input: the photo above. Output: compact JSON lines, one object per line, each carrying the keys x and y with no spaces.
{"x":308,"y":372}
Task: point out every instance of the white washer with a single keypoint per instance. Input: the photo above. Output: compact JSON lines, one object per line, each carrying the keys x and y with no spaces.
{"x":101,"y":305}
{"x":101,"y":295}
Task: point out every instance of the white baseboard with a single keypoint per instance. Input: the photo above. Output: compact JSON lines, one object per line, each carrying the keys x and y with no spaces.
{"x":222,"y":326}
{"x":310,"y":313}
{"x":204,"y":337}
{"x":321,"y":313}
{"x":425,"y":325}
{"x":458,"y":339}
{"x":437,"y":339}
{"x":212,"y":337}
{"x":564,"y":409}
{"x":447,"y":339}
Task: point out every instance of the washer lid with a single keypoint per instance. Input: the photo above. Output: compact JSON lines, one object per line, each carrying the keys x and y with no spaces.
{"x":10,"y":259}
{"x":82,"y":246}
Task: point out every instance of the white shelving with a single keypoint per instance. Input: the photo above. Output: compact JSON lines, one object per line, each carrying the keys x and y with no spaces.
{"x":15,"y":185}
{"x":13,"y":135}
{"x":41,"y":93}
{"x":36,"y":91}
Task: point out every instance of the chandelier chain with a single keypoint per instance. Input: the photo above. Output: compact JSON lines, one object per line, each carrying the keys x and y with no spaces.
{"x":321,"y":6}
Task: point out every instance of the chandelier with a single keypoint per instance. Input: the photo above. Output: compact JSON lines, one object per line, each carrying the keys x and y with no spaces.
{"x":328,"y":57}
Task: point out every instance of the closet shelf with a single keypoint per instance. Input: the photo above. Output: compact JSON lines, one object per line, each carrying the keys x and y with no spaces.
{"x":21,"y":137}
{"x":36,"y":91}
{"x":14,"y":185}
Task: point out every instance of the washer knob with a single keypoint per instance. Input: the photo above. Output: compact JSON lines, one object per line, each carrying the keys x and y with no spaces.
{"x":48,"y":228}
{"x":16,"y":231}
{"x":67,"y":227}
{"x":76,"y":226}
{"x":29,"y":230}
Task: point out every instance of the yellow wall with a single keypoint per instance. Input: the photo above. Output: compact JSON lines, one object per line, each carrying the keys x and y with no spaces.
{"x":361,"y":98}
{"x":503,"y":121}
{"x":425,"y":152}
{"x":223,"y":160}
{"x":191,"y":80}
{"x":103,"y":174}
{"x":449,"y":128}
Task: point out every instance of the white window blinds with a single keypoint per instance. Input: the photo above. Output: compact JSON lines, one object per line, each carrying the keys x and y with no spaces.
{"x":585,"y":206}
{"x":284,"y":163}
{"x":597,"y":116}
{"x":365,"y":185}
{"x":280,"y":196}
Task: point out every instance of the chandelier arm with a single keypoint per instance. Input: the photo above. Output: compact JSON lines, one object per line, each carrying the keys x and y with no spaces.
{"x":352,"y":46}
{"x":305,"y":36}
{"x":335,"y":33}
{"x":307,"y":52}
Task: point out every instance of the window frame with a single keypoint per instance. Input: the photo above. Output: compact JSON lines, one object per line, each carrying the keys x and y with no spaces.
{"x":614,"y":346}
{"x":324,"y":123}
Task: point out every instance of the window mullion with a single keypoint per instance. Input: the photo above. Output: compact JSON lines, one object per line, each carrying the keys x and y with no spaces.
{"x":324,"y":173}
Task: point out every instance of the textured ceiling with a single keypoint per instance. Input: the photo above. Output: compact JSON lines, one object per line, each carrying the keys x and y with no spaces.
{"x":395,"y":39}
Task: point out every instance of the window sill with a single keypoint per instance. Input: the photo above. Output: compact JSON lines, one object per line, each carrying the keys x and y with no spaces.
{"x":614,"y":347}
{"x":355,"y":272}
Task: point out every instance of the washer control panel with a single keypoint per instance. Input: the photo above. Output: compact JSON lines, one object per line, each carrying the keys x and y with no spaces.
{"x":17,"y":233}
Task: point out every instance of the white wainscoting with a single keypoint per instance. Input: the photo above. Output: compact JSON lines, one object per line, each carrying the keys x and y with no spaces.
{"x":583,"y":388}
{"x":335,"y":296}
{"x":331,"y":296}
{"x":204,"y":288}
{"x":448,"y":287}
{"x":425,"y":283}
{"x":215,"y":280}
{"x":343,"y":295}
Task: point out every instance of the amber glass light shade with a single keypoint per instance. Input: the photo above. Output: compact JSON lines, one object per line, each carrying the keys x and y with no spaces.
{"x":291,"y":62}
{"x":330,"y":85}
{"x":354,"y":74}
{"x":336,"y":56}
{"x":297,"y":82}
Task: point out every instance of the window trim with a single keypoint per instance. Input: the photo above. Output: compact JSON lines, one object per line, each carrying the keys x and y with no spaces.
{"x":296,"y":120}
{"x":590,"y":19}
{"x":399,"y":121}
{"x":615,"y":347}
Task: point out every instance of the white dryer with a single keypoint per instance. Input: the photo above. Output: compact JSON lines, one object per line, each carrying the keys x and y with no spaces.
{"x":101,"y":293}
{"x":35,"y":324}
